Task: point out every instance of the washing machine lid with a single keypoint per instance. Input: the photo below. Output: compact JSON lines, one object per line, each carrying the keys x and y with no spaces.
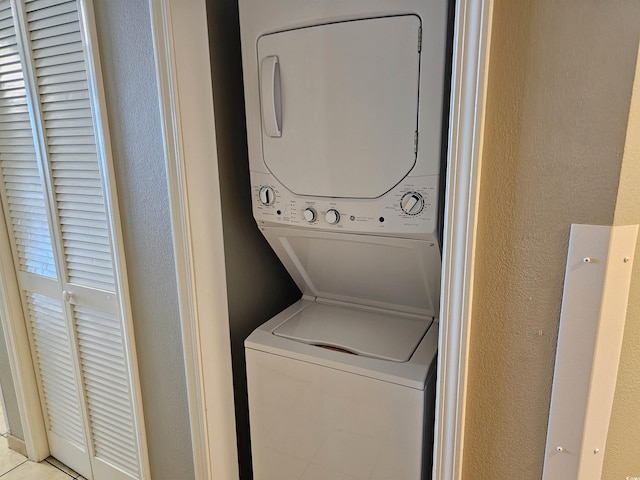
{"x":361,"y":332}
{"x":339,"y":105}
{"x":396,"y":274}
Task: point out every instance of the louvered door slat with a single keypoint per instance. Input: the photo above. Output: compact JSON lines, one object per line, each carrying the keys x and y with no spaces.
{"x":9,"y":75}
{"x":61,"y":29}
{"x":9,"y":94}
{"x":74,"y":166}
{"x":82,"y":223}
{"x":58,"y":48}
{"x":101,"y":256}
{"x":103,"y":368}
{"x":16,"y":142}
{"x":15,"y":124}
{"x":30,"y":208}
{"x":11,"y":85}
{"x":10,"y":109}
{"x":62,"y":87}
{"x":56,"y":8}
{"x":36,"y":244}
{"x":46,"y":42}
{"x":25,"y":232}
{"x":62,"y":101}
{"x":8,"y":48}
{"x":58,"y":151}
{"x":90,"y":186}
{"x":70,"y":58}
{"x":57,"y":379}
{"x":65,"y":76}
{"x":13,"y":105}
{"x":82,"y":122}
{"x":10,"y":65}
{"x":50,"y":22}
{"x":24,"y":184}
{"x":32,"y":5}
{"x":64,"y":69}
{"x":68,"y":208}
{"x":72,"y":131}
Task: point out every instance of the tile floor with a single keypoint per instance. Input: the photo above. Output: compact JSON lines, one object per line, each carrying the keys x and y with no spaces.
{"x":14,"y":466}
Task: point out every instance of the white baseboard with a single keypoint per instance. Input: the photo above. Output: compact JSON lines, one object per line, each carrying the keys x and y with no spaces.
{"x":17,"y":445}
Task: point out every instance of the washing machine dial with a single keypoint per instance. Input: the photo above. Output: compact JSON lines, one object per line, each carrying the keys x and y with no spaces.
{"x":267,"y":195}
{"x":332,"y":216}
{"x":412,"y":203}
{"x":309,"y":214}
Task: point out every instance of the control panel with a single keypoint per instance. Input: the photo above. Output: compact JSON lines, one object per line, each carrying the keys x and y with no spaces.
{"x":410,"y":208}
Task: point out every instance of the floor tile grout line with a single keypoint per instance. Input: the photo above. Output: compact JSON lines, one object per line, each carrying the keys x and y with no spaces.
{"x":12,"y":469}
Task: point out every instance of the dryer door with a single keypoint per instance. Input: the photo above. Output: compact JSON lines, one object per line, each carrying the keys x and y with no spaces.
{"x":340,"y":105}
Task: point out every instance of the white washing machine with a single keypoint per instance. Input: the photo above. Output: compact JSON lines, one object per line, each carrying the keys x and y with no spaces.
{"x":344,"y":121}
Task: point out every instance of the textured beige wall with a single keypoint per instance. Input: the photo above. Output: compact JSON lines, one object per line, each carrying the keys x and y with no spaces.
{"x":560,"y":81}
{"x":622,"y":459}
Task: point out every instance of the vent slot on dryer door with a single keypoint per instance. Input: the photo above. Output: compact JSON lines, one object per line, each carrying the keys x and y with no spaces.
{"x":340,"y":105}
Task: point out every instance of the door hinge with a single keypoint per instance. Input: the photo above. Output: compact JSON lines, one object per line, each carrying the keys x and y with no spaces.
{"x":415,"y":142}
{"x":419,"y":39}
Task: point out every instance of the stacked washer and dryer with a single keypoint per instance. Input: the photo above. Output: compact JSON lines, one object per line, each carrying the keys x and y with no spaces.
{"x":344,"y":106}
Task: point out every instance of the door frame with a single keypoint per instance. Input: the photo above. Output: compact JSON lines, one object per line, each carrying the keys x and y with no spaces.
{"x":181,"y":47}
{"x":186,"y":104}
{"x":199,"y":247}
{"x":471,"y":46}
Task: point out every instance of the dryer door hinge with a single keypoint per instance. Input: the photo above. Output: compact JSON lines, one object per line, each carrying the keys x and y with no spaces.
{"x":415,"y":142}
{"x":419,"y":39}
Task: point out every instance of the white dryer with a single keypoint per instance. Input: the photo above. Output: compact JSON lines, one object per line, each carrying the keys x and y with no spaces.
{"x":344,"y":121}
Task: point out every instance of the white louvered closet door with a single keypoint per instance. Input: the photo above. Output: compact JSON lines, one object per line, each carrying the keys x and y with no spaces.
{"x":55,"y":191}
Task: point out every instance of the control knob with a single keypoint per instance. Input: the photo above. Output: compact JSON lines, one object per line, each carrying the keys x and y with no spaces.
{"x":309,"y":214}
{"x":267,"y":195}
{"x":332,"y":216}
{"x":412,"y":203}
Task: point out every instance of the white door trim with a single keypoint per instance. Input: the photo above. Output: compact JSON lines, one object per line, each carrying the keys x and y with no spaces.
{"x":180,"y":42}
{"x":181,"y":46}
{"x":19,"y":352}
{"x":472,"y":37}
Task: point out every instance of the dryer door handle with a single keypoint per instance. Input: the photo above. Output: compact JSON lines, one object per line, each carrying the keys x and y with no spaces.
{"x":270,"y":96}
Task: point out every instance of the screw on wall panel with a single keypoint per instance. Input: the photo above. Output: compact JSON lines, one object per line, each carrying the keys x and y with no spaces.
{"x":587,"y":260}
{"x":596,"y":450}
{"x":559,"y":449}
{"x":626,"y":259}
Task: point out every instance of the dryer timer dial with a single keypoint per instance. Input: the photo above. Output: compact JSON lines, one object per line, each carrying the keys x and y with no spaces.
{"x":412,"y":203}
{"x":267,"y":195}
